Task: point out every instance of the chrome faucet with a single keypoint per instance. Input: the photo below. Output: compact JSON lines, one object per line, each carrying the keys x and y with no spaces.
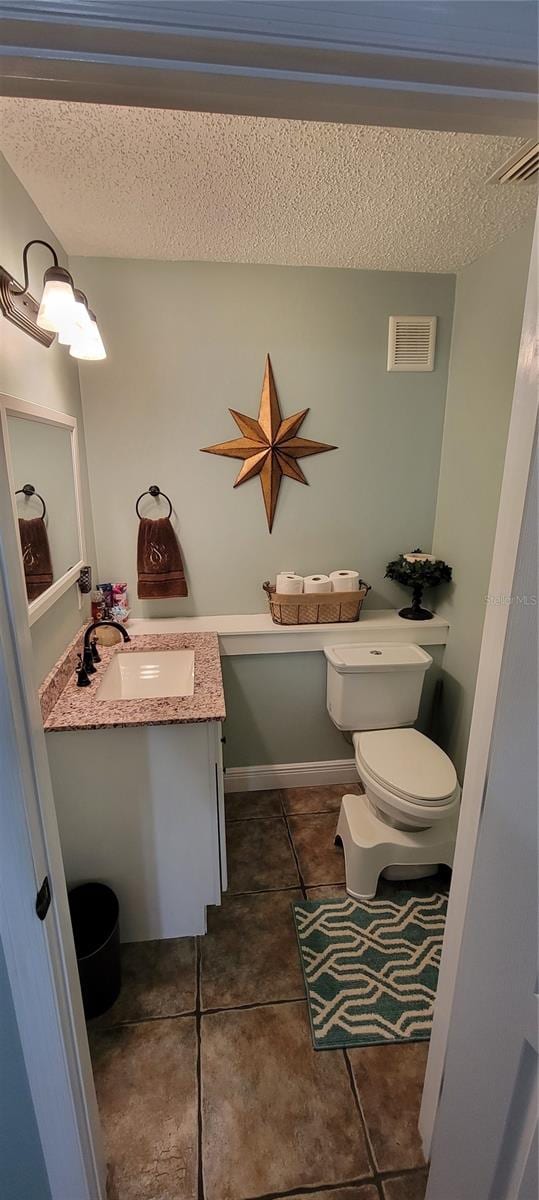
{"x":90,"y":653}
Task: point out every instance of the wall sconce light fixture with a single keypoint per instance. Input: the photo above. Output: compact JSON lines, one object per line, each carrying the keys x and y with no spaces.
{"x":63,"y":311}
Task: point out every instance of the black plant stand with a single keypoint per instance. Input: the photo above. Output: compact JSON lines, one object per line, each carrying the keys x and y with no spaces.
{"x":414,"y":612}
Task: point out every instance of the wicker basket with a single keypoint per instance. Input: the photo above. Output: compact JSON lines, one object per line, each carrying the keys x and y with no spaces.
{"x":315,"y":608}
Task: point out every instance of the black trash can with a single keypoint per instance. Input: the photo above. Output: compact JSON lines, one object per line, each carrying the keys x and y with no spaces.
{"x":96,"y":929}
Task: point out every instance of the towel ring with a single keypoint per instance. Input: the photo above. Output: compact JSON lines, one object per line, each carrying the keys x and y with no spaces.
{"x":154,"y":491}
{"x":29,"y":490}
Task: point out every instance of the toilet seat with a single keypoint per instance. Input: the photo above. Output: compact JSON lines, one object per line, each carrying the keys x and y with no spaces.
{"x":408,"y":766}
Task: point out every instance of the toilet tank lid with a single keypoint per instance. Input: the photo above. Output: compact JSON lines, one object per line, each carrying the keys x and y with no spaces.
{"x":378,"y":656}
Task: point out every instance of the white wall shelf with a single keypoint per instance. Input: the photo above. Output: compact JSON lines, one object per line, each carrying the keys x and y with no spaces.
{"x":255,"y":633}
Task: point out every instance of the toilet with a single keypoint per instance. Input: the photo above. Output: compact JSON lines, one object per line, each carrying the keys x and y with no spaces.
{"x":405,"y":824}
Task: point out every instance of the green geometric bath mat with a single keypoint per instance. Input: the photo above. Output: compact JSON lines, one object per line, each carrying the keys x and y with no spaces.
{"x":370,"y":967}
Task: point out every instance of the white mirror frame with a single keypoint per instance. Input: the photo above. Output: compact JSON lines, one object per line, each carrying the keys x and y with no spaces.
{"x":9,"y":405}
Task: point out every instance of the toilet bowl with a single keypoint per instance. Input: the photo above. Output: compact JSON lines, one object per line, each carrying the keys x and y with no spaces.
{"x":405,"y":825}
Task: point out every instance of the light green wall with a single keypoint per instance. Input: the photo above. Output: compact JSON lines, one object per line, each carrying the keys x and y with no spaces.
{"x":276,"y":705}
{"x":185,"y":342}
{"x":31,"y":372}
{"x":486,"y":333}
{"x":277,"y":712}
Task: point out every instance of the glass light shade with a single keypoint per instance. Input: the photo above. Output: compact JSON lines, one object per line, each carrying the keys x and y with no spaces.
{"x":77,"y":325}
{"x":57,"y":305}
{"x":89,"y":345}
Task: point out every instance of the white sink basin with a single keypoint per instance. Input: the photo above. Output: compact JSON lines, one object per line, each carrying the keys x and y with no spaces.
{"x":144,"y":674}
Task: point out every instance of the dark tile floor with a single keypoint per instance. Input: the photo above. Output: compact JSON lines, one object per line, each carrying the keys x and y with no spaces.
{"x":207,"y":1082}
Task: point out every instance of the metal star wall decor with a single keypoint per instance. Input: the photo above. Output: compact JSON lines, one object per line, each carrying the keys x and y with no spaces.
{"x":269,"y":445}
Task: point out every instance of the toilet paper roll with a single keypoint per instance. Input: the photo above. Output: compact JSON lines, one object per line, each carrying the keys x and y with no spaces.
{"x":317,"y":583}
{"x":345,"y":581}
{"x":289,"y":584}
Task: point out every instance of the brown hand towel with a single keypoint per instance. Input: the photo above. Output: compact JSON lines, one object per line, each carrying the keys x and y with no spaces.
{"x":36,"y":556}
{"x":159,"y":561}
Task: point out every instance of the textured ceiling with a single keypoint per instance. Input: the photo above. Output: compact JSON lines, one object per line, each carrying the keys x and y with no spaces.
{"x":152,"y":183}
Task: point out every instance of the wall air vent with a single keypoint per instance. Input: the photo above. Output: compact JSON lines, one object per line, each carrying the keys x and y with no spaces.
{"x":522,"y":167}
{"x":411,"y":343}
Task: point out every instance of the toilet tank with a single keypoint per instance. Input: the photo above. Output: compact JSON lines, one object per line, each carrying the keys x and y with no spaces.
{"x":376,"y":686}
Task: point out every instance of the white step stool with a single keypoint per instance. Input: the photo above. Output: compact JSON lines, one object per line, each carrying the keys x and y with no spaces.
{"x":370,"y":847}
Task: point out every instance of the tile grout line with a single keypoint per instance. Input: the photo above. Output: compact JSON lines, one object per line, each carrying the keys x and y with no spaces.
{"x":255,"y":817}
{"x":317,"y":887}
{"x":366,"y":1134}
{"x":204,"y":1012}
{"x":318,"y":1189}
{"x":402,"y":1171}
{"x":131,"y":1021}
{"x":198,"y":1024}
{"x":211,"y":1012}
{"x":292,"y":887}
{"x":292,"y":846}
{"x":311,"y":812}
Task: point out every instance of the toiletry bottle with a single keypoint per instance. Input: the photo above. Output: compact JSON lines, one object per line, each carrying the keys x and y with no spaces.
{"x":105,"y":590}
{"x":97,"y":605}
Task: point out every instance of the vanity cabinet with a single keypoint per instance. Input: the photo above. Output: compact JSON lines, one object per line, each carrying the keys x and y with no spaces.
{"x":142,"y":809}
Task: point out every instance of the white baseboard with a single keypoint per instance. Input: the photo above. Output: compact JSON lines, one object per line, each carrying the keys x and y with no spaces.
{"x":285,"y":775}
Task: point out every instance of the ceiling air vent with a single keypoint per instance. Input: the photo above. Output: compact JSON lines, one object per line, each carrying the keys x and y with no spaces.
{"x":521,"y":167}
{"x":411,"y":343}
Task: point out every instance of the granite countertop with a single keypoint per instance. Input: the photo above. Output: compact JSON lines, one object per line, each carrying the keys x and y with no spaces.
{"x":66,"y":707}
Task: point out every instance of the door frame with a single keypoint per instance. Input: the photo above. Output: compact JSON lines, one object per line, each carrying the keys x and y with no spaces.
{"x":40,"y":955}
{"x":518,"y":458}
{"x":405,"y":68}
{"x":485,"y":1146}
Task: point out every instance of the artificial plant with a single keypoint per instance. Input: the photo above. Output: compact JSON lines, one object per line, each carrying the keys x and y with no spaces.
{"x":418,"y":571}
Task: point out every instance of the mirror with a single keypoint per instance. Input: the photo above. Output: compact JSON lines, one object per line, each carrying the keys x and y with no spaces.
{"x":41,"y":447}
